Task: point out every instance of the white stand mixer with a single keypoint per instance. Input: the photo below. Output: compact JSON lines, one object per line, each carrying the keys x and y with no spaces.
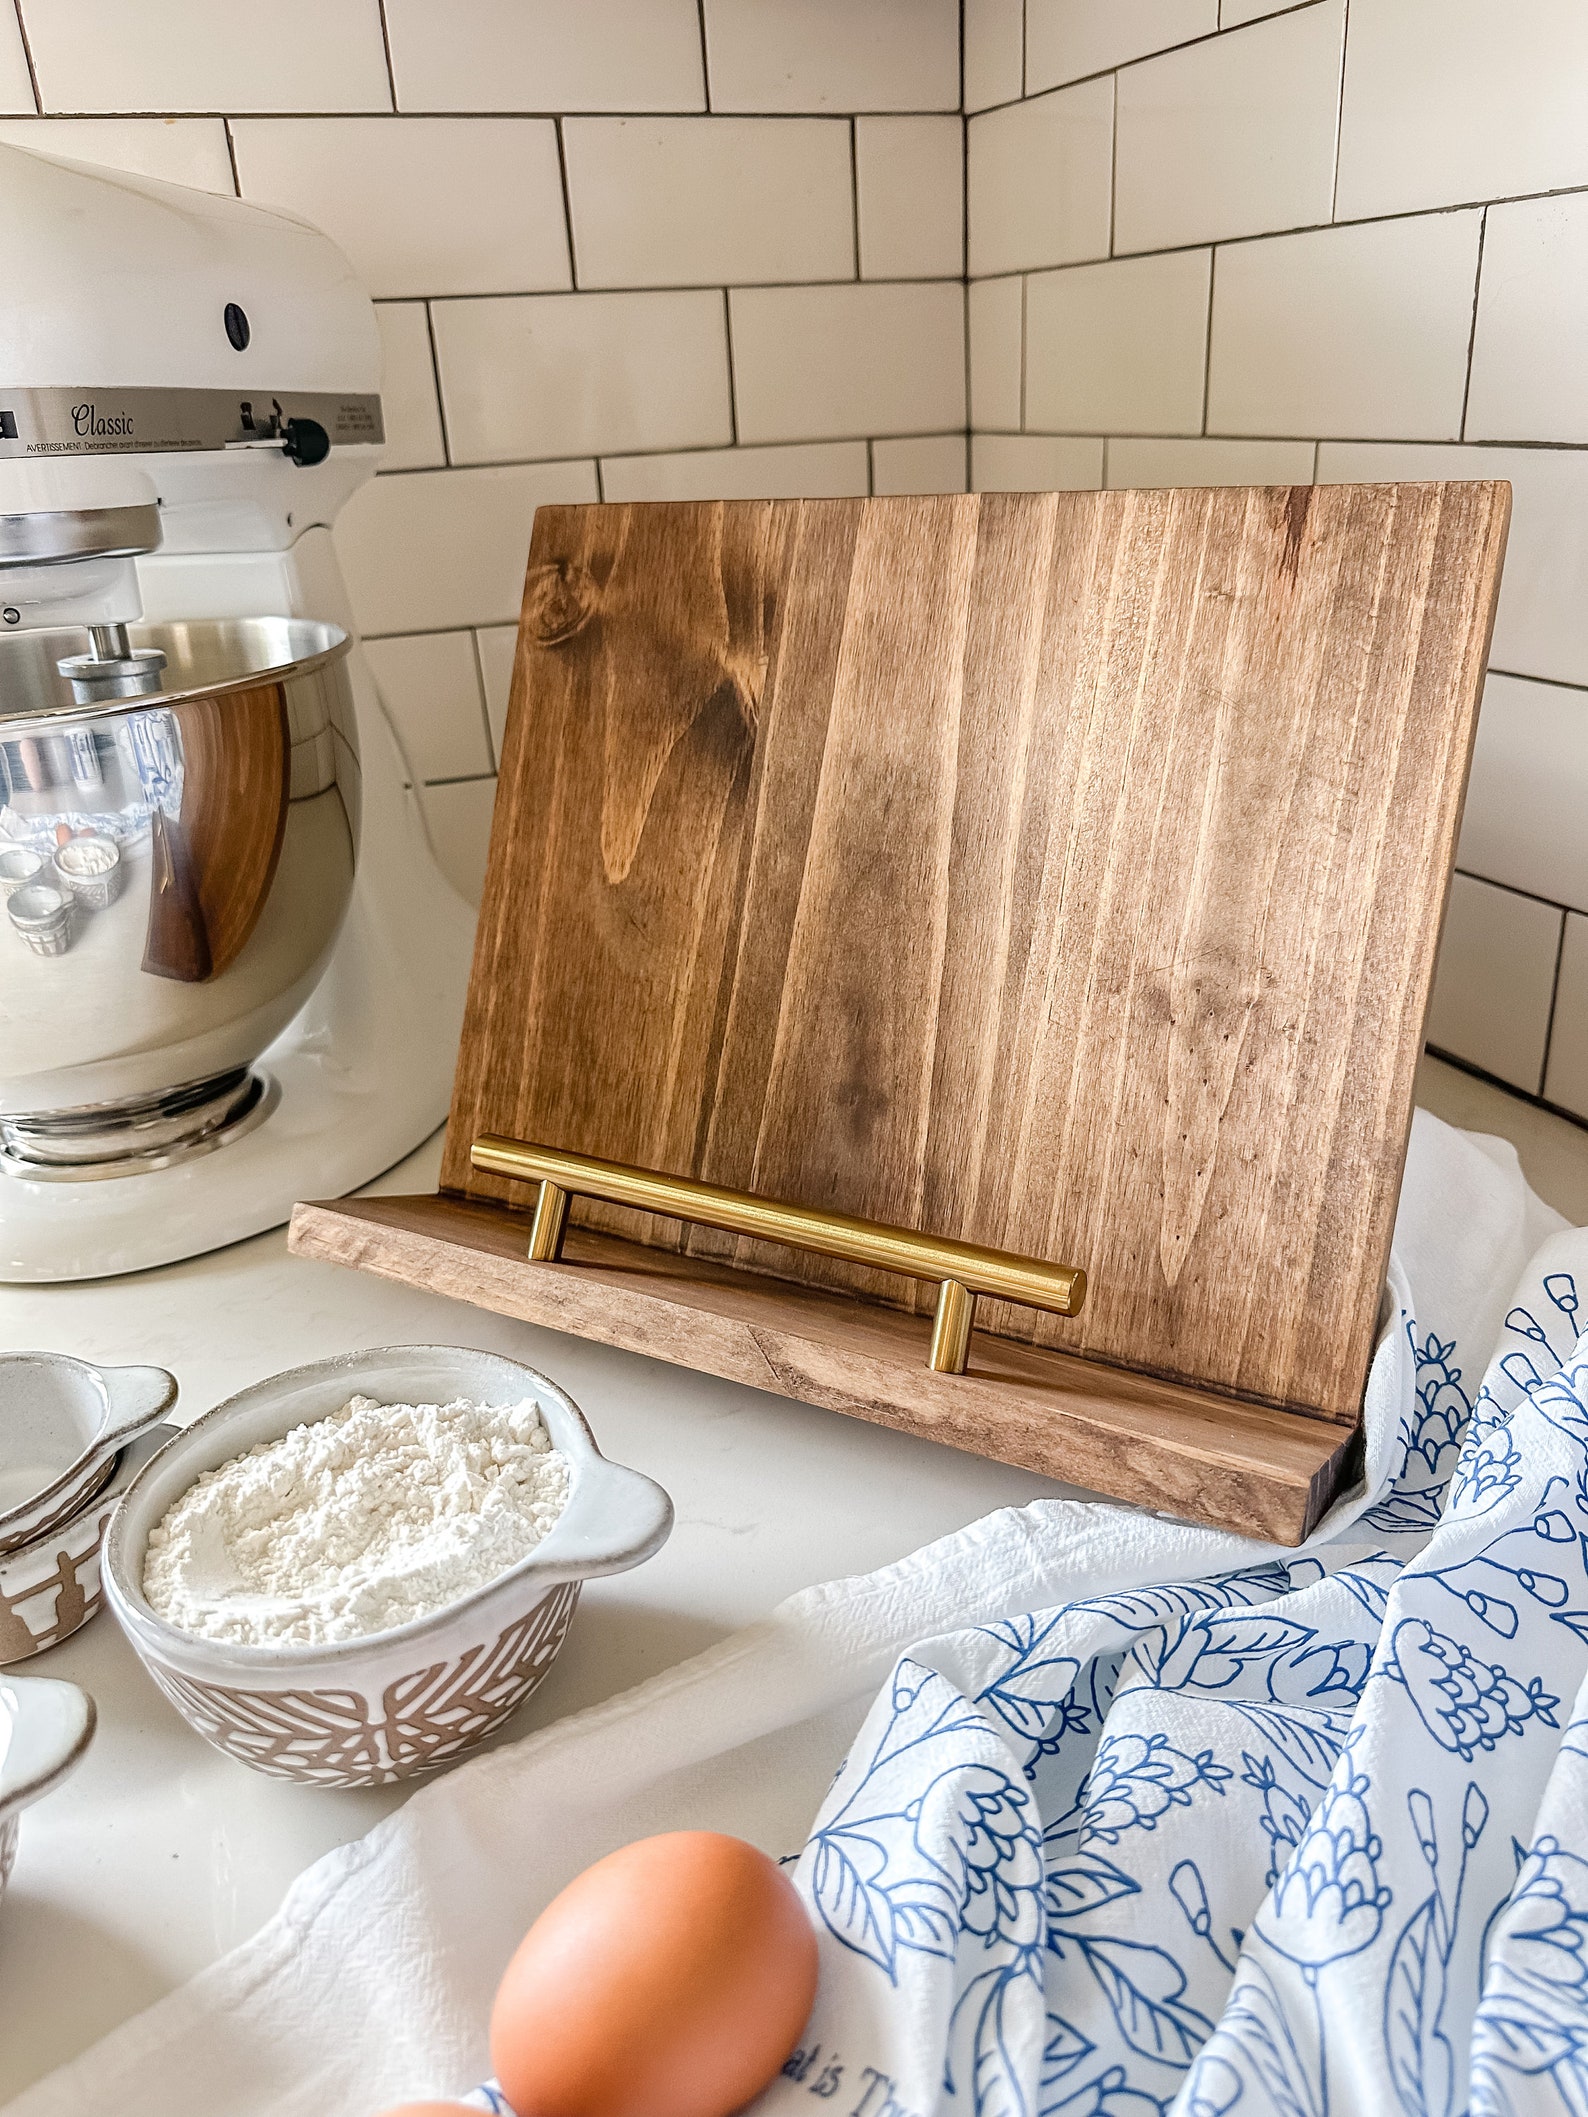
{"x":188,"y":394}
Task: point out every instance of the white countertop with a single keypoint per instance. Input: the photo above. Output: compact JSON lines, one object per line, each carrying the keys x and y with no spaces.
{"x":160,"y":1854}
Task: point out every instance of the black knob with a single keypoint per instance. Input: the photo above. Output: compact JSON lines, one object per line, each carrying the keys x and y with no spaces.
{"x":307,"y":442}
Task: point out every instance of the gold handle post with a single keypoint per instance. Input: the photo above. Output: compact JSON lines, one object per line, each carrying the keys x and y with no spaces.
{"x":963,"y":1269}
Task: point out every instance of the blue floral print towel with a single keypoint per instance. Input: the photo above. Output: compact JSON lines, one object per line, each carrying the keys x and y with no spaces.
{"x":1302,"y":1838}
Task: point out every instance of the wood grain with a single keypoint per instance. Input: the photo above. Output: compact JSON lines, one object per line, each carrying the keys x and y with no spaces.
{"x":1060,"y":872}
{"x":1262,"y":1473}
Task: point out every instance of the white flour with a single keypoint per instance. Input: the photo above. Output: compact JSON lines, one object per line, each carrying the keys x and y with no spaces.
{"x":358,"y":1522}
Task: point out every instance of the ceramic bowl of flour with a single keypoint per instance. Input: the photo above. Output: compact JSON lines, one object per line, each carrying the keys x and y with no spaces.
{"x":364,"y":1711}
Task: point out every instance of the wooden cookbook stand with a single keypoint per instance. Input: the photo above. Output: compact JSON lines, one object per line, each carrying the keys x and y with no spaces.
{"x":1060,"y":874}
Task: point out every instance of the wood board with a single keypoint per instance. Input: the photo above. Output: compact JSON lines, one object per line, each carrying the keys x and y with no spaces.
{"x":1057,"y":872}
{"x":1157,"y":1444}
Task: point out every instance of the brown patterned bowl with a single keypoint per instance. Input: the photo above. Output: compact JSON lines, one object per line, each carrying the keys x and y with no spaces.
{"x":50,"y":1586}
{"x":363,"y":1712}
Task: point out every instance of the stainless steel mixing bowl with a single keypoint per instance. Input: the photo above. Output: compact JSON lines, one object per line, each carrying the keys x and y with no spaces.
{"x":228,"y":789}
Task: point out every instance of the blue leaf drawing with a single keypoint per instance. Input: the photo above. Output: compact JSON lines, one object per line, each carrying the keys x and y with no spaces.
{"x":1144,"y":1988}
{"x":1309,"y":1742}
{"x":1421,"y":2062}
{"x":1085,"y":1882}
{"x":853,"y":1909}
{"x":1065,"y":2049}
{"x":1255,"y":2026}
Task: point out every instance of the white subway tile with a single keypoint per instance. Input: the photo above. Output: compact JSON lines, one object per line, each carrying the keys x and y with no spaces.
{"x":546,"y":55}
{"x":994,"y":54}
{"x":582,"y":374}
{"x":458,"y":819}
{"x":818,"y":363}
{"x":408,"y":388}
{"x":1039,"y":176}
{"x":176,"y":150}
{"x":197,"y":55}
{"x":1034,"y":463}
{"x":16,"y":84}
{"x":692,"y":202}
{"x":428,"y":550}
{"x":1495,"y":981}
{"x":1068,"y":38}
{"x":1118,"y":348}
{"x":1448,"y":101}
{"x":1160,"y":464}
{"x":498,"y":645}
{"x":1530,"y":351}
{"x":822,"y":55}
{"x":1566,"y":1082}
{"x":997,"y":312}
{"x":910,"y":187}
{"x":1231,"y":137}
{"x":810,"y":470}
{"x":1358,"y":333}
{"x":420,"y":205}
{"x":924,"y":463}
{"x":1526,"y":819}
{"x":431,"y":685}
{"x":1541,"y":627}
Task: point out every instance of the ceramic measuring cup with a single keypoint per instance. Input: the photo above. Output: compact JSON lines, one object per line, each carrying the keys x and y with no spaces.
{"x":45,"y":1726}
{"x":63,"y":1422}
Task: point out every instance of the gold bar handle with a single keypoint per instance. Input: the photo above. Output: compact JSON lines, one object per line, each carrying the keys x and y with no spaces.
{"x":963,"y":1269}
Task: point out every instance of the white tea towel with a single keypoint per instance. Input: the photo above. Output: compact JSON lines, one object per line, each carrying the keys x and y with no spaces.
{"x":1045,"y":1877}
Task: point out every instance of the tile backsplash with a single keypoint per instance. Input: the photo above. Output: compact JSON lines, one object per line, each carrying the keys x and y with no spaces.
{"x":1338,"y":242}
{"x":689,"y":248}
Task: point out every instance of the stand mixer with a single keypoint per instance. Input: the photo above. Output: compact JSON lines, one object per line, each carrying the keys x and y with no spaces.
{"x":231,"y":974}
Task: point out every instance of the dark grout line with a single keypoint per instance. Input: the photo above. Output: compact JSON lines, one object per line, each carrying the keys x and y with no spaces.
{"x":703,"y":286}
{"x":1472,"y":334}
{"x":1113,"y":167}
{"x":1493,"y":1080}
{"x":705,"y":55}
{"x":1024,"y":285}
{"x":1272,"y":235}
{"x":1028,"y":94}
{"x":272,"y":117}
{"x":1554,"y":1002}
{"x":854,"y":188}
{"x":441,"y":395}
{"x":1339,"y":108}
{"x":27,"y":53}
{"x":964,"y":249}
{"x":567,"y":209}
{"x":1555,"y":683}
{"x":1510,"y":889}
{"x":385,"y":45}
{"x":698,"y":448}
{"x":733,"y":379}
{"x":1207,"y":344}
{"x":1547,"y":448}
{"x":485,"y":702}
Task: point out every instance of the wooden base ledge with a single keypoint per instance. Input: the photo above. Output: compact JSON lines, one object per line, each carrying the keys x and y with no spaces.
{"x":1162,"y":1445}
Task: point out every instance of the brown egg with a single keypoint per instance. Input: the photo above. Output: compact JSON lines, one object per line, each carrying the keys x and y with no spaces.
{"x":671,"y":1979}
{"x":430,"y":2109}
